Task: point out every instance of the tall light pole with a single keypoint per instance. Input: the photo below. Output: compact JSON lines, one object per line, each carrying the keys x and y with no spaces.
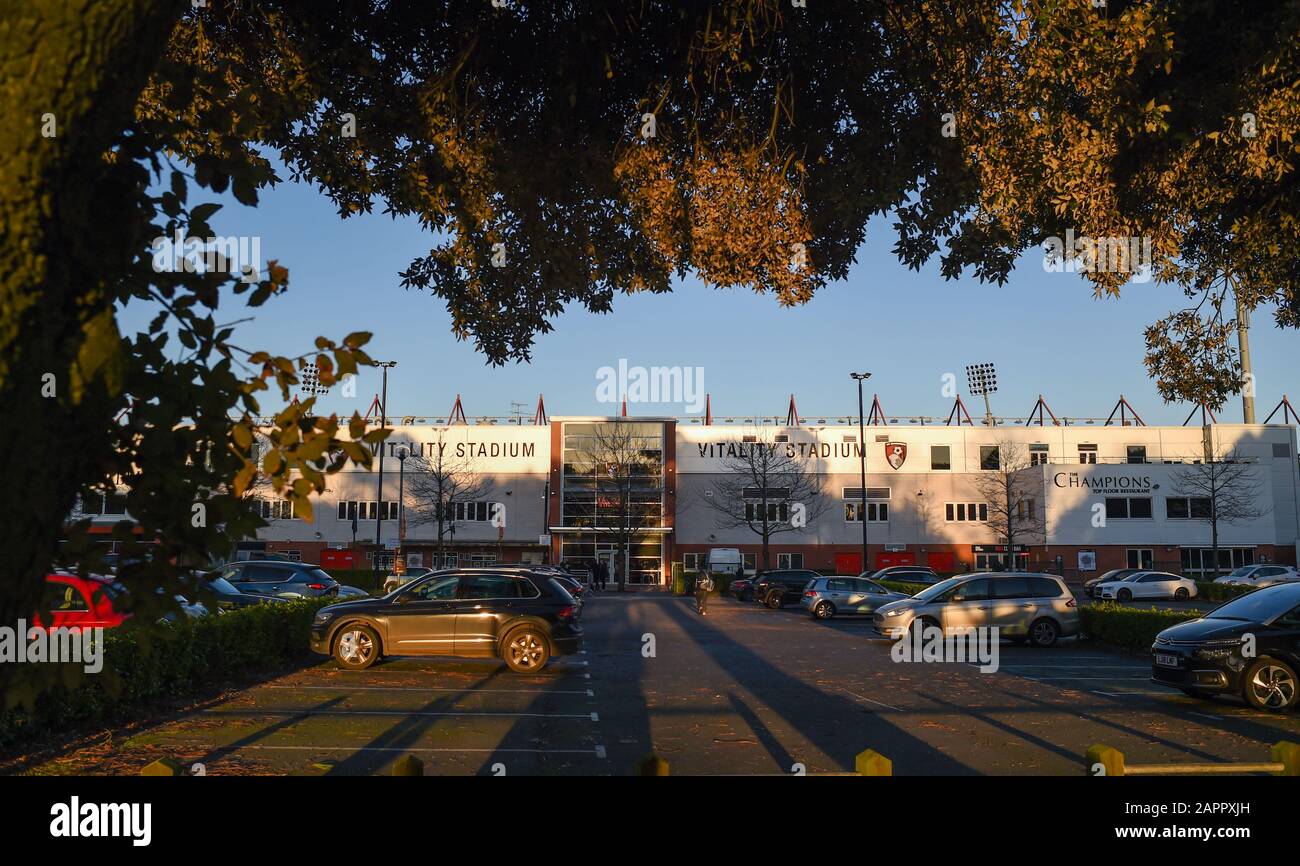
{"x":862,"y":465}
{"x":379,"y":494}
{"x":983,"y":379}
{"x":1243,"y":346}
{"x":399,"y":559}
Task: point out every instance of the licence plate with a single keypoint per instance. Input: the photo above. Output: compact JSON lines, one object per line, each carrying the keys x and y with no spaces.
{"x":1167,"y":661}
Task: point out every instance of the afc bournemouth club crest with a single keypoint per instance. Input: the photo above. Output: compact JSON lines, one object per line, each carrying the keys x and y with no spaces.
{"x":896,"y":453}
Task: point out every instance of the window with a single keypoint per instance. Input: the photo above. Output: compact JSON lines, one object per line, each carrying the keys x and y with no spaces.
{"x":971,"y":590}
{"x":1087,"y":453}
{"x":1140,"y":557}
{"x":1137,"y":454}
{"x":1187,"y":508}
{"x":789,"y":560}
{"x":940,"y":457}
{"x":274,"y":509}
{"x":438,"y":589}
{"x":1011,"y":587}
{"x":691,"y":561}
{"x":849,"y":437}
{"x":877,"y":512}
{"x":1038,"y":454}
{"x":777,"y":512}
{"x":749,"y":438}
{"x":485,"y":586}
{"x":1025,"y":509}
{"x":1281,"y":450}
{"x":781,"y":437}
{"x":63,"y":596}
{"x":989,"y":458}
{"x":1128,"y":508}
{"x":1045,"y":587}
{"x":472,"y":512}
{"x":104,"y":503}
{"x":366,"y":510}
{"x":966,"y":512}
{"x":855,"y":493}
{"x":750,"y":560}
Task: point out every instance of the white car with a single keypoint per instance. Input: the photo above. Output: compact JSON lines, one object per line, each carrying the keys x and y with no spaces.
{"x":1148,"y":584}
{"x":1260,"y":575}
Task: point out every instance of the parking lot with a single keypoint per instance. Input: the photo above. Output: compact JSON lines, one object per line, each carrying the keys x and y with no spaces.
{"x":746,"y":690}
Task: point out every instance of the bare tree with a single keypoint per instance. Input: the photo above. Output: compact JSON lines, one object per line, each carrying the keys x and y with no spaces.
{"x":1222,"y":490}
{"x":1014,"y":495}
{"x":436,"y":484}
{"x":626,"y":466}
{"x":766,"y":487}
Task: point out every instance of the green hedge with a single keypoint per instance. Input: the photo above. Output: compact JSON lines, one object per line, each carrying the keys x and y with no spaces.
{"x":909,"y":588}
{"x":1209,"y":591}
{"x":1128,"y":627}
{"x":148,"y":663}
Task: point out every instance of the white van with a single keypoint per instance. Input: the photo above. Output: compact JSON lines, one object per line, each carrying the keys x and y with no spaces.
{"x":725,"y":560}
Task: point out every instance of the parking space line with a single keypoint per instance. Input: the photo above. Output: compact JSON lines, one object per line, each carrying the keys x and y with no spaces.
{"x":597,"y":751}
{"x":468,"y":690}
{"x":1205,"y":715}
{"x":1082,"y":679}
{"x":259,"y":711}
{"x":870,"y":701}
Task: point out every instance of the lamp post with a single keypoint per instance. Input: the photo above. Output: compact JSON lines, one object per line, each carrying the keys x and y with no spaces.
{"x":379,"y":493}
{"x":399,"y":559}
{"x":862,"y":464}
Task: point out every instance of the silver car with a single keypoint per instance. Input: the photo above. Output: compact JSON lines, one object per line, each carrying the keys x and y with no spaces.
{"x":1023,"y":606}
{"x":824,"y":597}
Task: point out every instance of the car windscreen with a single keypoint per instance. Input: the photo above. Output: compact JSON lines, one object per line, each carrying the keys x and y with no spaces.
{"x":1241,"y":572}
{"x":220,"y":584}
{"x":1260,"y":606}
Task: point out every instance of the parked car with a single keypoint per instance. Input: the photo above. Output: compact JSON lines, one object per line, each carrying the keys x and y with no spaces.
{"x":1092,"y":586}
{"x":1028,"y":606}
{"x":725,"y":562}
{"x":224,"y":596}
{"x":781,"y":586}
{"x":1265,"y":574}
{"x":904,"y":574}
{"x":743,"y":587}
{"x":1148,"y":584}
{"x":287,"y":579}
{"x":826,"y":597}
{"x":78,"y":602}
{"x":518,"y":615}
{"x":578,"y":570}
{"x":393,"y":581}
{"x":1208,"y":656}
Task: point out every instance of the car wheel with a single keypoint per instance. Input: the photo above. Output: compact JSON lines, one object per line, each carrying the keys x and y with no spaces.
{"x":1124,"y":595}
{"x":526,"y":650}
{"x":1181,"y":593}
{"x":1043,"y":632}
{"x":1270,"y":684}
{"x":824,"y":610}
{"x":356,"y":647}
{"x":775,"y":600}
{"x":923,"y":624}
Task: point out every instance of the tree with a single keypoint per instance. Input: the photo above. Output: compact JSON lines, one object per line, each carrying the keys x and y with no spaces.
{"x":1014,"y":493}
{"x":625,"y":465}
{"x":767,"y":488}
{"x":1222,"y":490}
{"x":437,"y":483}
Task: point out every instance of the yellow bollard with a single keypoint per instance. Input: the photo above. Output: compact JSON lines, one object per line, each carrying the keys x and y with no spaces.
{"x":1287,"y":754}
{"x":652,"y":765}
{"x":869,"y":762}
{"x":1102,"y":760}
{"x":164,"y":767}
{"x":408,"y":765}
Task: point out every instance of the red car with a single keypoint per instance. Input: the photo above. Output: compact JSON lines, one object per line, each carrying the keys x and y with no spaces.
{"x":78,"y":602}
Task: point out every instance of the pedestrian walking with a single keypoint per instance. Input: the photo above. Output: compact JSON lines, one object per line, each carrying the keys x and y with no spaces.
{"x":703,"y":586}
{"x":604,"y":575}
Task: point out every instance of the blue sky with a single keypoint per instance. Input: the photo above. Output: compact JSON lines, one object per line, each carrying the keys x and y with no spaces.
{"x":1045,"y":332}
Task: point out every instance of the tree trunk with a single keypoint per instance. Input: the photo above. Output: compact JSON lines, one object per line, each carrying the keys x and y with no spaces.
{"x":68,"y":234}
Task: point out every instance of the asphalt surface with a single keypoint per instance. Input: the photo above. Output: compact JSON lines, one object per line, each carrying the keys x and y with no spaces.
{"x":745,"y":690}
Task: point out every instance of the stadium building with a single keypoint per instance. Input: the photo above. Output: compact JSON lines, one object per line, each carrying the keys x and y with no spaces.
{"x":1101,"y":495}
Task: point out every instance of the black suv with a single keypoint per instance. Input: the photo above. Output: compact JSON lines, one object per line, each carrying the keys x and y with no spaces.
{"x":1249,"y":646}
{"x":271,"y":577}
{"x":782,"y":586}
{"x":516,"y":614}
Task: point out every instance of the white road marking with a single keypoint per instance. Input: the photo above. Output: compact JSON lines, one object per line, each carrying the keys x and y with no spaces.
{"x":870,"y":701}
{"x":1205,"y":715}
{"x":260,"y":711}
{"x":598,"y":751}
{"x":468,"y":690}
